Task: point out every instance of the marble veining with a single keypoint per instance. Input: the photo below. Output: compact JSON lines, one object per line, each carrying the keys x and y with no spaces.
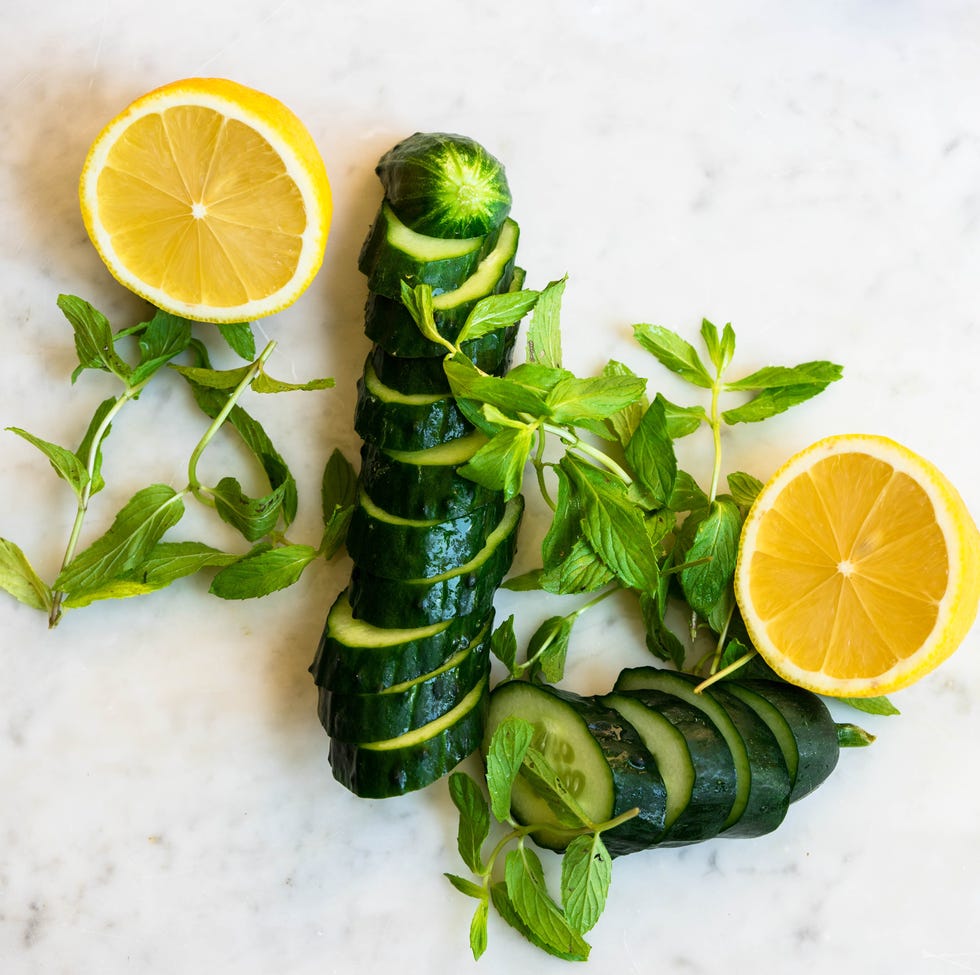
{"x":808,"y":172}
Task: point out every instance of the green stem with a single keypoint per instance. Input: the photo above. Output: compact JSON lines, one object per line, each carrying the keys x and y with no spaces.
{"x":256,"y":367}
{"x":725,"y":671}
{"x":716,"y":438}
{"x":85,"y":495}
{"x":576,"y":443}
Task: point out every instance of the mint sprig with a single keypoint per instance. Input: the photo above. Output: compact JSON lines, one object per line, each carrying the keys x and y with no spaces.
{"x":134,"y":556}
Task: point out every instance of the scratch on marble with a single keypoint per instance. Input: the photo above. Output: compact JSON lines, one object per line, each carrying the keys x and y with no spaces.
{"x":259,"y":23}
{"x":103,"y":20}
{"x":964,"y":961}
{"x":33,"y":924}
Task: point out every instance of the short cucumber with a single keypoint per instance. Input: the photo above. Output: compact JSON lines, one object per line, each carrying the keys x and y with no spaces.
{"x":393,"y":253}
{"x":399,"y":421}
{"x":424,"y":483}
{"x":463,"y":591}
{"x":599,"y":758}
{"x":400,"y":708}
{"x":762,"y":779}
{"x":406,"y":763}
{"x":409,"y":548}
{"x":388,"y":323}
{"x":444,"y":184}
{"x":813,"y":728}
{"x":693,"y":758}
{"x":354,"y":657}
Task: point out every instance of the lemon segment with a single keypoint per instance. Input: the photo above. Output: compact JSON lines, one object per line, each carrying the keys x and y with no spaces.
{"x":858,"y":568}
{"x":209,"y":199}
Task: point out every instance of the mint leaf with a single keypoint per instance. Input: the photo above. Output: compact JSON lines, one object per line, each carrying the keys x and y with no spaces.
{"x":241,"y":339}
{"x":224,"y":379}
{"x":138,"y":526}
{"x":613,"y":525}
{"x":771,"y":402}
{"x":65,"y":463}
{"x":548,"y":648}
{"x":253,"y":517}
{"x":338,"y":486}
{"x":544,"y":331}
{"x":817,"y":372}
{"x":505,"y":754}
{"x":465,"y":886}
{"x":264,"y":383}
{"x":474,"y":819}
{"x":872,"y":705}
{"x":580,"y":571}
{"x":503,"y":644}
{"x":418,"y":301}
{"x":85,"y":447}
{"x":164,"y":337}
{"x":478,"y":929}
{"x":720,"y":348}
{"x":94,"y":343}
{"x":574,"y":400}
{"x":713,"y":535}
{"x":263,"y":571}
{"x":682,"y":421}
{"x":467,"y":382}
{"x":650,"y":454}
{"x":744,"y":488}
{"x":169,"y":561}
{"x":500,"y":463}
{"x":18,"y":578}
{"x":496,"y":311}
{"x":586,"y":872}
{"x":624,"y":422}
{"x":507,"y":911}
{"x":524,"y":877}
{"x":673,"y":352}
{"x":687,"y":494}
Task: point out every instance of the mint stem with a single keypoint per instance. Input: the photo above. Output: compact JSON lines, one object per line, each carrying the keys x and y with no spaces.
{"x":85,"y":496}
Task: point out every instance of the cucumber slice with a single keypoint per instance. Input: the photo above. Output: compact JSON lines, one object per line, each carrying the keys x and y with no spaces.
{"x":400,"y":421}
{"x":406,"y":763}
{"x":813,"y":728}
{"x":400,"y":708}
{"x":393,"y":253}
{"x":600,"y":759}
{"x":463,"y":591}
{"x":422,"y":374}
{"x":762,"y":779}
{"x":444,"y":184}
{"x":777,"y":723}
{"x":693,"y":758}
{"x":354,"y":657}
{"x":388,"y":323}
{"x":403,"y":548}
{"x":424,"y":483}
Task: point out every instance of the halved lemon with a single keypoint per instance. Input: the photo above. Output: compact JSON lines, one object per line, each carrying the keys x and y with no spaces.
{"x":209,"y":199}
{"x":859,"y":568}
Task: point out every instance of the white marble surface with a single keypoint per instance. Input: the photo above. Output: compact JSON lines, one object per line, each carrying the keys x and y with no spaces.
{"x":808,"y":171}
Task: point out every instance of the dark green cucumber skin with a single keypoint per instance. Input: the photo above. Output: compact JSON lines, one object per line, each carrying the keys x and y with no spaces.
{"x":359,"y":718}
{"x":417,"y":491}
{"x":768,"y":797}
{"x":385,"y":774}
{"x":407,"y":426}
{"x":414,"y":185}
{"x":413,"y":552}
{"x":492,"y":353}
{"x":637,"y":783}
{"x":714,"y":772}
{"x":386,"y":267}
{"x":368,"y":670}
{"x":813,"y":727}
{"x":418,"y":602}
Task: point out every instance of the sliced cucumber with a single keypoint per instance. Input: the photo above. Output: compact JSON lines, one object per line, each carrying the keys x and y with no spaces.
{"x":444,"y":184}
{"x":409,"y":548}
{"x":464,"y":591}
{"x":424,"y":483}
{"x":354,"y":657}
{"x":693,"y":758}
{"x":388,"y":323}
{"x":606,"y":775}
{"x":408,"y":762}
{"x":813,"y":727}
{"x":400,"y":708}
{"x":762,"y":779}
{"x":422,"y":374}
{"x":400,"y":421}
{"x":392,"y":253}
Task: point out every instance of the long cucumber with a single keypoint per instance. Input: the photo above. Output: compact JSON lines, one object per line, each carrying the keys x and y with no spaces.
{"x":402,"y":669}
